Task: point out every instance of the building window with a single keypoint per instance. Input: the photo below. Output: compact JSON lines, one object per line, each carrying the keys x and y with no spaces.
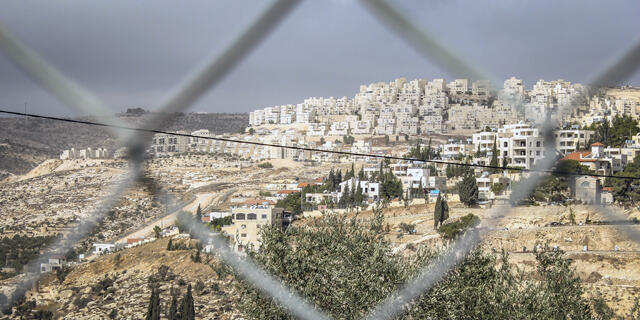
{"x":243,"y":235}
{"x":264,"y":216}
{"x":252,"y":216}
{"x":239,"y":216}
{"x":538,"y":144}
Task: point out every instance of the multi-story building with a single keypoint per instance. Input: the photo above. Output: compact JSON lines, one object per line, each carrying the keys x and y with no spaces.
{"x":371,"y":190}
{"x":481,"y":88}
{"x":522,"y":145}
{"x":386,"y":126}
{"x":247,"y":221}
{"x":317,"y":130}
{"x":458,"y":86}
{"x":163,"y":143}
{"x":360,"y":127}
{"x":453,"y":150}
{"x":568,"y":141}
{"x":339,"y":128}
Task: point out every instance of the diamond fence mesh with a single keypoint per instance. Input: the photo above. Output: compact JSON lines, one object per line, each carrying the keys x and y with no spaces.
{"x":211,"y":71}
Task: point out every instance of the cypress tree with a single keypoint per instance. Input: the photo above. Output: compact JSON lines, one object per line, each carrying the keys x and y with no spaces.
{"x":199,"y":214}
{"x":331,"y":180}
{"x":359,"y":197}
{"x":170,"y":245}
{"x":153,"y":311}
{"x":445,"y":210}
{"x":361,"y":174}
{"x":187,"y":310}
{"x":468,"y":189}
{"x":173,"y":310}
{"x":437,"y":212}
{"x":494,"y":157}
{"x":353,"y":170}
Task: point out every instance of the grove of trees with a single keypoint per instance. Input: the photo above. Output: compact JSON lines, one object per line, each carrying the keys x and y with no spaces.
{"x":346,"y":267}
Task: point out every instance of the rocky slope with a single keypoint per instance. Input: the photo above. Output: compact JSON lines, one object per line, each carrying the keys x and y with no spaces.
{"x":118,"y":285}
{"x":24,"y":143}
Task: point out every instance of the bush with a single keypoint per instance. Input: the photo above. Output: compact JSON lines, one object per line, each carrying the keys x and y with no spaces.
{"x":62,"y":273}
{"x":407,"y":227}
{"x":265,"y":165}
{"x":456,"y":228}
{"x":81,"y":302}
{"x":497,"y":188}
{"x":102,"y":285}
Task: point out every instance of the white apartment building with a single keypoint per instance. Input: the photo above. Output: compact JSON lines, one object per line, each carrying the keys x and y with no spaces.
{"x":163,"y":143}
{"x":408,"y":126}
{"x":435,"y":86}
{"x":522,"y":145}
{"x":256,"y":117}
{"x":88,"y":153}
{"x":453,"y":150}
{"x":360,"y":127}
{"x":371,"y":190}
{"x":458,"y":86}
{"x":340,"y":128}
{"x":316,"y":130}
{"x":519,"y":143}
{"x":386,"y":126}
{"x":568,"y":141}
{"x":481,"y":88}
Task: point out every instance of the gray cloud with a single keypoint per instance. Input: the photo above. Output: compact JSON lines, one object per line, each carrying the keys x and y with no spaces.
{"x":132,"y":53}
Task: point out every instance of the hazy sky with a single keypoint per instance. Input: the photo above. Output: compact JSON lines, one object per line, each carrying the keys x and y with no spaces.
{"x":131,"y":53}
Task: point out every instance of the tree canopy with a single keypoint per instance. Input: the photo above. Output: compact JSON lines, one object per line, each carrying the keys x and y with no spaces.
{"x":345,"y":268}
{"x":468,"y":189}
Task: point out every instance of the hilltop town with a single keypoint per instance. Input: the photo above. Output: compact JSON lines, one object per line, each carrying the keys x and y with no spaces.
{"x":398,"y":151}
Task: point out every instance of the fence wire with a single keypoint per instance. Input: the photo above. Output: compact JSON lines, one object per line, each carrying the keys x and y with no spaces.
{"x":212,"y":70}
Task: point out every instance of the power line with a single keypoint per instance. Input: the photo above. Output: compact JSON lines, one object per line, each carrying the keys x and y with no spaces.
{"x":369,"y":155}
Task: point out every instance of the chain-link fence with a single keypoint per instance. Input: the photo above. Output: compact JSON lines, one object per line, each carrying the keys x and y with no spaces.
{"x":211,"y":71}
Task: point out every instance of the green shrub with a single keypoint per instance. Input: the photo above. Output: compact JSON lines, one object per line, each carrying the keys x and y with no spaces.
{"x":456,"y":228}
{"x":265,"y":165}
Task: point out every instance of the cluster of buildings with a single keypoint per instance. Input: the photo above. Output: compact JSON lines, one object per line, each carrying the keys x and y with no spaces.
{"x":611,"y":103}
{"x":88,"y":153}
{"x":421,"y":107}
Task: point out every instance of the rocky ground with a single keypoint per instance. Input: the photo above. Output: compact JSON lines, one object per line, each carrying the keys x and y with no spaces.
{"x":118,"y":285}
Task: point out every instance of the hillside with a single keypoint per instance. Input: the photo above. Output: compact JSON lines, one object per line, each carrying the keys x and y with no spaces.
{"x":117,"y":286}
{"x":25,"y":143}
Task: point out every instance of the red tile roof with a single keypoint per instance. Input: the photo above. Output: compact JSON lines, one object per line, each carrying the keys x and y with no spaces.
{"x":578,"y":156}
{"x":597,"y":144}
